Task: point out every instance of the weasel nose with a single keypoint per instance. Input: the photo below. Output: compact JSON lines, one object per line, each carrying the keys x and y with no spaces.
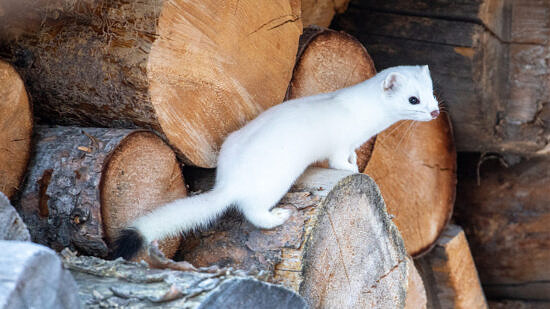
{"x":434,"y":114}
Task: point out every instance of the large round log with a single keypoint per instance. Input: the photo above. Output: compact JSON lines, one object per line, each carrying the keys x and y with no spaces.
{"x":321,"y":12}
{"x":15,"y":129}
{"x":505,"y":212}
{"x":84,"y":184}
{"x":339,"y":249}
{"x":327,"y":61}
{"x":414,"y":163}
{"x":192,"y":70}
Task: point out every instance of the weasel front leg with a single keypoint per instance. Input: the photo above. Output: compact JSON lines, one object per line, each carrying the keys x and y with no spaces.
{"x":344,"y":161}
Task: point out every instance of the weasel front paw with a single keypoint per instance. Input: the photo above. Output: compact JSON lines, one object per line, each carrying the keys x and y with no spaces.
{"x":282,"y":214}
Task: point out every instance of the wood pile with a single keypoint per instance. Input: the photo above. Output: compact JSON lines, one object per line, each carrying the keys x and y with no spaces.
{"x":126,"y":93}
{"x":490,"y":61}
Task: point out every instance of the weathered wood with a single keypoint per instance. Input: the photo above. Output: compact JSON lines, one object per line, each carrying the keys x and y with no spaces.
{"x":12,"y":226}
{"x":15,"y":129}
{"x":518,"y":304}
{"x":488,"y":58}
{"x":85,"y":183}
{"x":450,"y":275}
{"x":339,"y":249}
{"x":507,"y":217}
{"x":416,"y":293}
{"x":193,"y":71}
{"x":321,"y":12}
{"x":414,"y":163}
{"x":328,"y":60}
{"x":107,"y":284}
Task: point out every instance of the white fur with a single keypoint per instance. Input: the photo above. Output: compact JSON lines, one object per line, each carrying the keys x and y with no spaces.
{"x":258,"y":163}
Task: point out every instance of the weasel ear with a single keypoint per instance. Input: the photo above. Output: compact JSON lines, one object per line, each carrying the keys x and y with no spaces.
{"x":426,"y":70}
{"x":393,"y":81}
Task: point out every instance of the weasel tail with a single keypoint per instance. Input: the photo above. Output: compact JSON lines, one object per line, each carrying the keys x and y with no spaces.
{"x":179,"y":216}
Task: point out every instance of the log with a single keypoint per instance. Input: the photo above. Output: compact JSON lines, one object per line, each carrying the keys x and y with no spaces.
{"x":121,"y":284}
{"x":507,"y":215}
{"x":414,"y":163}
{"x":84,"y":184}
{"x":321,"y":12}
{"x":33,"y":277}
{"x":518,"y":304}
{"x":450,"y":275}
{"x":12,"y":226}
{"x":487,"y":57}
{"x":15,"y":129}
{"x":328,"y":60}
{"x":192,"y":71}
{"x":416,"y":293}
{"x":339,"y":249}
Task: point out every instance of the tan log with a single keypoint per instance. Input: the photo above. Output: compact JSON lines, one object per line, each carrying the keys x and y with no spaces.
{"x":194,"y":71}
{"x":506,"y":214}
{"x":414,"y":163}
{"x":321,"y":12}
{"x":15,"y":129}
{"x":450,"y":275}
{"x":416,"y":292}
{"x":327,"y":61}
{"x":84,"y":184}
{"x":339,"y":249}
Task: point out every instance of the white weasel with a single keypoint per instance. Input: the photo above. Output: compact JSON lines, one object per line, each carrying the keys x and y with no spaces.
{"x":258,"y":163}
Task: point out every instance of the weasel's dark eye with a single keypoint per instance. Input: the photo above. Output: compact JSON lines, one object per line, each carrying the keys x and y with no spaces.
{"x":414,"y":100}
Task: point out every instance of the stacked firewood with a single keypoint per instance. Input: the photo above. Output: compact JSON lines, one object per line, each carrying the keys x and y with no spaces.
{"x":491,"y":62}
{"x":126,"y":93}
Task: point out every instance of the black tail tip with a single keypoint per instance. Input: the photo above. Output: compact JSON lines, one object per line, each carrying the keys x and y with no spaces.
{"x":127,"y":244}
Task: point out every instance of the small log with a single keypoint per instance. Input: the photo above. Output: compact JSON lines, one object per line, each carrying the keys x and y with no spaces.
{"x":84,"y":184}
{"x":487,"y":56}
{"x":194,"y":71}
{"x":11,"y":224}
{"x":321,"y":12}
{"x":414,"y":163}
{"x":339,"y":249}
{"x":450,"y":275}
{"x":327,"y":61}
{"x":15,"y":129}
{"x":507,"y":215}
{"x":416,"y":293}
{"x":108,"y":284}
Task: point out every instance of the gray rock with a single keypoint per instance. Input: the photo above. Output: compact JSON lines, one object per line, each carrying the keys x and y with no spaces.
{"x":11,"y":224}
{"x":32,"y":276}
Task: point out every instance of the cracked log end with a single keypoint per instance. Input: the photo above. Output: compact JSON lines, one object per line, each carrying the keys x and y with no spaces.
{"x":328,"y":60}
{"x":414,"y":163}
{"x":84,"y":184}
{"x":15,"y":129}
{"x":339,"y":249}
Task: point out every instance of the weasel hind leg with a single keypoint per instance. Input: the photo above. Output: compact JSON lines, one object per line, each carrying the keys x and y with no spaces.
{"x":266,"y":219}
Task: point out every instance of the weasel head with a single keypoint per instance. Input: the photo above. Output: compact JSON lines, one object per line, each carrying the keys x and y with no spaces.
{"x":408,"y":91}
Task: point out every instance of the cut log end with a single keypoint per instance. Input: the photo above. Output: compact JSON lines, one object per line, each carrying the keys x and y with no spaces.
{"x":414,"y":163}
{"x":15,"y":129}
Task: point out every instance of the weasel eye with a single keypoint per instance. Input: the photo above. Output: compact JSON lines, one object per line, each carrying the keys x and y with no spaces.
{"x":414,"y":100}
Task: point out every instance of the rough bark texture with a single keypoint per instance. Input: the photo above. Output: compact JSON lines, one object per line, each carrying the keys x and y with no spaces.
{"x":416,"y":293}
{"x":33,"y":277}
{"x":450,"y":275}
{"x":12,"y":226}
{"x":327,"y":61}
{"x":490,"y":59}
{"x":321,"y":12}
{"x":121,"y":284}
{"x":339,"y":249}
{"x":507,"y":218}
{"x":414,"y":163}
{"x":15,"y":129}
{"x":192,"y":70}
{"x":78,"y":190}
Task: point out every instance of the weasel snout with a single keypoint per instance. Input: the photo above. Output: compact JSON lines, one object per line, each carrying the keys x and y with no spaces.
{"x":434,"y":114}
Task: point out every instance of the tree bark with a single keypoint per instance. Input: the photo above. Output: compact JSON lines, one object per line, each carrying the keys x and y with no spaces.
{"x":507,"y":215}
{"x":192,"y":71}
{"x":414,"y":163}
{"x":450,"y":275}
{"x":339,"y":249}
{"x":107,"y":284}
{"x":321,"y":12}
{"x":327,"y":61}
{"x":83,"y":184}
{"x":15,"y":129}
{"x":488,"y":58}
